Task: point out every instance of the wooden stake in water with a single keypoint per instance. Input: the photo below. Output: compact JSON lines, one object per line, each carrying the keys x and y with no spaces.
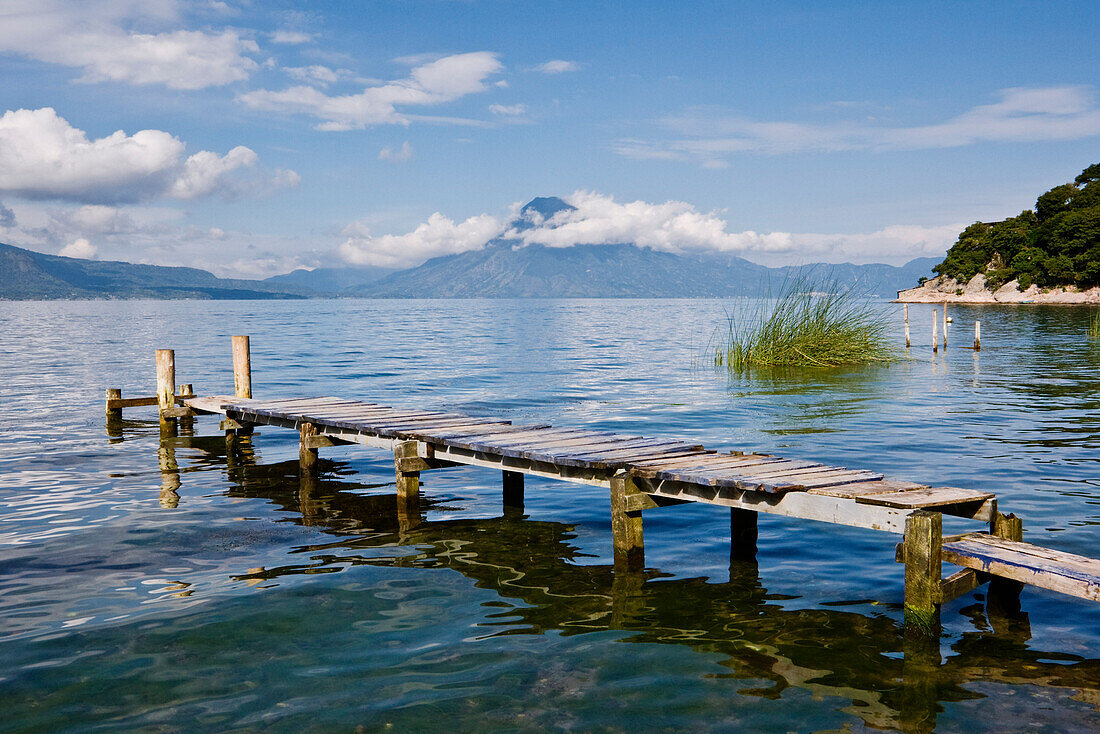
{"x":935,"y":330}
{"x":166,"y":379}
{"x":977,"y":336}
{"x":242,"y":367}
{"x":907,"y":344}
{"x":945,"y":324}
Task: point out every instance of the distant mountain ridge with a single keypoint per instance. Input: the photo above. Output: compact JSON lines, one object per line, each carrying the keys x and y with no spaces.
{"x":504,"y":268}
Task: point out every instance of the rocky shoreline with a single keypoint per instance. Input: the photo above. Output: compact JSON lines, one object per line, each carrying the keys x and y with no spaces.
{"x":949,"y":290}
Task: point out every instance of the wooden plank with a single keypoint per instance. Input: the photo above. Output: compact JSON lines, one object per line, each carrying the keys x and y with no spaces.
{"x":711,"y":476}
{"x":961,"y":582}
{"x":706,"y":476}
{"x":714,"y":456}
{"x":486,"y":443}
{"x":435,"y":431}
{"x":916,"y":499}
{"x":692,"y":465}
{"x":671,"y":446}
{"x":564,"y":448}
{"x":1066,"y":573}
{"x":595,"y":451}
{"x":826,"y":480}
{"x":560,"y":434}
{"x":624,"y":462}
{"x":469,"y":433}
{"x":851,"y":491}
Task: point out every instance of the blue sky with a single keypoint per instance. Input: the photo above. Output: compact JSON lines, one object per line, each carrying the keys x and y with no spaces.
{"x":255,"y":137}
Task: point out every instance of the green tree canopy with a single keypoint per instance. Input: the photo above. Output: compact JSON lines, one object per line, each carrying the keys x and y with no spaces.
{"x":1056,"y":244}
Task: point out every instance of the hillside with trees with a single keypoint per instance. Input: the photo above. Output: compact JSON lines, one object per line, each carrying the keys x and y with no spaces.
{"x":1056,"y":244}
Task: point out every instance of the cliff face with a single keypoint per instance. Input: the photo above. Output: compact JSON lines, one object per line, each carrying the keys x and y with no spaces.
{"x":940,"y":290}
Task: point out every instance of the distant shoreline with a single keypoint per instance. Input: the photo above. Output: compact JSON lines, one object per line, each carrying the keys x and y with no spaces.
{"x":949,"y":290}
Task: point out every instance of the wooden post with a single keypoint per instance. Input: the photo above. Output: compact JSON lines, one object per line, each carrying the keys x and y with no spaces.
{"x":307,"y":455}
{"x":977,"y":336}
{"x":242,"y":367}
{"x":185,"y":390}
{"x":113,"y":414}
{"x":513,"y":493}
{"x":945,"y":324}
{"x":408,"y":486}
{"x":1003,"y":595}
{"x":626,"y":525}
{"x":166,"y":379}
{"x":907,"y":343}
{"x":923,"y":546}
{"x":935,"y":335}
{"x":169,"y":475}
{"x":743,"y":534}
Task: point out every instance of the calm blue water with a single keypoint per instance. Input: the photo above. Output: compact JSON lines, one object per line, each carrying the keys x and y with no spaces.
{"x":228,"y":596}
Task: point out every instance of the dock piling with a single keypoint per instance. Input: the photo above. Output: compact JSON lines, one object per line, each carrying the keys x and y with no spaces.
{"x":408,"y":485}
{"x":945,"y":324}
{"x":923,"y":543}
{"x":907,"y":342}
{"x":166,"y":380}
{"x":513,"y":493}
{"x":743,"y":534}
{"x":1003,"y":595}
{"x":935,"y":333}
{"x":307,"y":455}
{"x":242,"y":367}
{"x":977,"y":336}
{"x":626,"y":525}
{"x":114,"y":415}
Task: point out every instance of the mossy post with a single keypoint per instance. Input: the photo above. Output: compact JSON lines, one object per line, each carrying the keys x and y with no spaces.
{"x":626,"y":525}
{"x":907,"y":342}
{"x":166,"y":380}
{"x":923,"y":546}
{"x":977,"y":336}
{"x":307,"y":454}
{"x":945,"y":324}
{"x":935,"y":332}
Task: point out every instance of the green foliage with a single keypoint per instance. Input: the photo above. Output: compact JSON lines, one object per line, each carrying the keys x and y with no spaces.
{"x":1056,"y":244}
{"x":807,"y":327}
{"x":1094,"y":323}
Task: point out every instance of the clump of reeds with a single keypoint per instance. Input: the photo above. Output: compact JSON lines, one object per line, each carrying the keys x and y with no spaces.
{"x":1094,"y":325}
{"x":807,"y":324}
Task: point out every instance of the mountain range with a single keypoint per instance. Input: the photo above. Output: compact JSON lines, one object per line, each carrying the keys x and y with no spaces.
{"x":504,"y":268}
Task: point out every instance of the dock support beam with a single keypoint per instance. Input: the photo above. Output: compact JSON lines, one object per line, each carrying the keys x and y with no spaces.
{"x":307,"y":456}
{"x":923,"y":545}
{"x":743,"y":534}
{"x":513,"y":493}
{"x":626,"y":525}
{"x":166,"y":381}
{"x":408,"y":484}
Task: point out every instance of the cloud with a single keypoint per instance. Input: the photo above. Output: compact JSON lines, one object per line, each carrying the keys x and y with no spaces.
{"x":557,"y":66}
{"x":316,"y":73}
{"x":438,"y":236}
{"x":674,"y":226}
{"x":7,"y":216}
{"x":402,"y":154}
{"x":92,"y":38}
{"x":81,"y":248}
{"x":291,"y":38}
{"x":433,"y":83}
{"x":1019,"y":115}
{"x":507,"y":110}
{"x":42,"y":156}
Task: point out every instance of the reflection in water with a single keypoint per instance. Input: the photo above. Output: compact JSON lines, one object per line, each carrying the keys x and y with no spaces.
{"x":886,"y":678}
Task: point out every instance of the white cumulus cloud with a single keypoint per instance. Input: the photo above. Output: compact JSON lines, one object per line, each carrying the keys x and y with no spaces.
{"x":438,"y":236}
{"x":42,"y":156}
{"x":316,"y":74}
{"x":108,"y":41}
{"x":507,"y":110}
{"x":673,"y":226}
{"x":291,"y":38}
{"x":432,"y":83}
{"x":81,"y":248}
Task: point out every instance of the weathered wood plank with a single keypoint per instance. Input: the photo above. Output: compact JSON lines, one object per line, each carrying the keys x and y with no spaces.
{"x":804,"y":483}
{"x":916,"y":499}
{"x":851,"y":491}
{"x":1066,"y":573}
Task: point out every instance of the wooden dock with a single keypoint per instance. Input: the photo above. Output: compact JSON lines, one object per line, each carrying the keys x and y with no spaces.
{"x":647,"y":473}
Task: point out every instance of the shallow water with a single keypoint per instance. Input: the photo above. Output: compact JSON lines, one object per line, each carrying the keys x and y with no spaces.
{"x":227,"y":595}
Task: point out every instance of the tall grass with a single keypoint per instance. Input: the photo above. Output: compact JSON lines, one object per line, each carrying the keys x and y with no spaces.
{"x":807,"y":324}
{"x":1094,"y":325}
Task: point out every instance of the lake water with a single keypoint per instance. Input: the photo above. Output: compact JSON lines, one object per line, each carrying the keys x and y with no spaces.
{"x":238,"y":600}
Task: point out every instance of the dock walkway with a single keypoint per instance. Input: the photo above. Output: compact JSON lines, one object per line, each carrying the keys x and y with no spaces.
{"x":646,"y":473}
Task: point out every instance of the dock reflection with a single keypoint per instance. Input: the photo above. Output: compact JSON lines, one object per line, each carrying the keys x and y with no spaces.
{"x":887,"y":679}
